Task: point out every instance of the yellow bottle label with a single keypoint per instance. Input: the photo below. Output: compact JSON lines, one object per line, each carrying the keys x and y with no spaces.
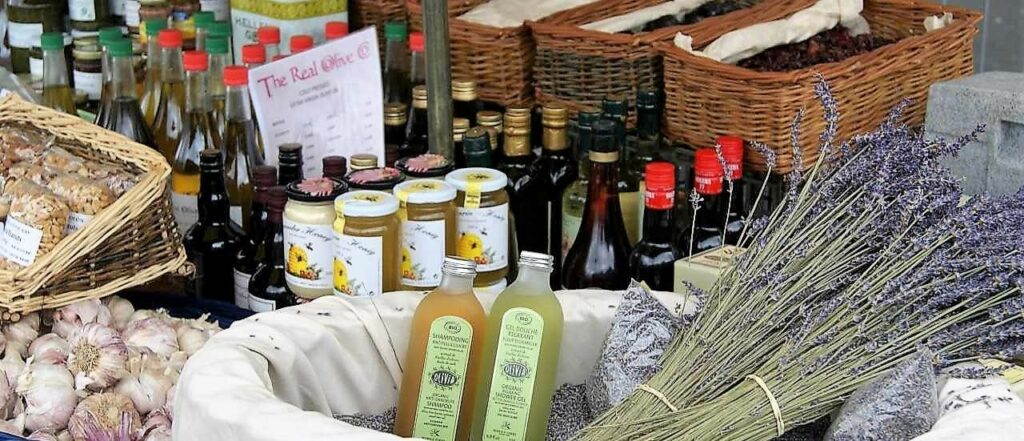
{"x":515,"y":372}
{"x":443,"y":379}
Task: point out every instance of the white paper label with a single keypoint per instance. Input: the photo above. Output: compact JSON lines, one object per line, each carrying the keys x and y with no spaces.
{"x":422,"y":252}
{"x":131,"y":13}
{"x":116,"y":7}
{"x":310,"y":255}
{"x":24,"y":35}
{"x":242,"y":289}
{"x":83,"y":10}
{"x":20,"y":242}
{"x":358,"y":266}
{"x":186,"y":210}
{"x":76,"y":221}
{"x":236,"y":215}
{"x":257,"y":304}
{"x":570,"y":228}
{"x":35,"y":68}
{"x":219,"y":8}
{"x":90,"y":83}
{"x":483,"y":236}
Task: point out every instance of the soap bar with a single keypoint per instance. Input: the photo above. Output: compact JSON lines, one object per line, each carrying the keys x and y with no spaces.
{"x":702,"y":270}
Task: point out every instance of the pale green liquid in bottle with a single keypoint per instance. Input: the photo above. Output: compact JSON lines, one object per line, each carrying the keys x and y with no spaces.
{"x":517,"y":375}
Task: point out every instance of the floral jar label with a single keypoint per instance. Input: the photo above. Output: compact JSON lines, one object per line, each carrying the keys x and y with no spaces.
{"x":483,"y":236}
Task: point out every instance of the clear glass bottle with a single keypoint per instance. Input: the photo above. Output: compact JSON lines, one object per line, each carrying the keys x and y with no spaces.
{"x":427,"y":213}
{"x":574,"y":198}
{"x":418,"y":75}
{"x":253,"y":251}
{"x":220,"y":58}
{"x":57,"y":93}
{"x":153,"y":86}
{"x":202,"y":20}
{"x":212,"y":242}
{"x":268,"y":290}
{"x":242,"y":151}
{"x":170,"y":112}
{"x":397,"y":89}
{"x":125,"y":116}
{"x":653,"y":260}
{"x":482,"y":221}
{"x":367,"y":257}
{"x":270,"y":38}
{"x":106,"y":36}
{"x":197,"y":135}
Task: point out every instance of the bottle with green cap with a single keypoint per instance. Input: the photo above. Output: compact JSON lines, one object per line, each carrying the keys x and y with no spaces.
{"x":220,"y":57}
{"x":202,"y":21}
{"x":396,"y":64}
{"x":106,"y":36}
{"x":221,"y":29}
{"x":152,"y":87}
{"x":125,"y":115}
{"x":57,"y":93}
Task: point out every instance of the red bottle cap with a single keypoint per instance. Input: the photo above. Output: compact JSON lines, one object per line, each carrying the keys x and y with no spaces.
{"x":236,"y":76}
{"x":416,"y":42}
{"x":195,"y":61}
{"x":300,"y":43}
{"x":660,"y":182}
{"x":732,"y":151}
{"x":254,"y":54}
{"x":169,"y":38}
{"x":335,"y":29}
{"x":707,"y":173}
{"x":268,"y":35}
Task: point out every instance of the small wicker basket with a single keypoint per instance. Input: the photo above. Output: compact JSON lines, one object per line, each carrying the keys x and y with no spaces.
{"x":129,"y":243}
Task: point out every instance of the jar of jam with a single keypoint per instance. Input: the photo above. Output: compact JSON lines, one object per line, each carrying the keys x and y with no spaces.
{"x":428,"y":230}
{"x":25,"y":26}
{"x":362,"y":161}
{"x":482,"y":221}
{"x":88,"y":74}
{"x":366,"y":254}
{"x":427,"y":165}
{"x":309,"y":235}
{"x":380,"y":179}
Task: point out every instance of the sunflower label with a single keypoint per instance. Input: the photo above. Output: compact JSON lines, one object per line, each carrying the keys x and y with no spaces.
{"x":443,"y":379}
{"x":359,"y":266}
{"x":514,"y":375}
{"x":483,"y":236}
{"x":422,"y":252}
{"x":310,"y":249}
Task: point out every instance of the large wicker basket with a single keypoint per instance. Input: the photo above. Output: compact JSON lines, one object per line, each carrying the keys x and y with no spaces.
{"x":706,"y":98}
{"x":129,"y":243}
{"x":376,"y":13}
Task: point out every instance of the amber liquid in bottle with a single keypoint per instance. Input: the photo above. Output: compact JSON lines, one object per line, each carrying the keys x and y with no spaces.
{"x":212,"y":243}
{"x":153,"y":86}
{"x":397,"y":88}
{"x":242,"y":150}
{"x":197,"y":135}
{"x":170,"y":112}
{"x":125,"y":116}
{"x":57,"y":93}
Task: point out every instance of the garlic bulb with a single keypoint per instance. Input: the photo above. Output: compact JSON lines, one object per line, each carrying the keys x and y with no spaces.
{"x":169,"y":406}
{"x":152,"y":333}
{"x":143,"y":314}
{"x":78,"y":314}
{"x":19,"y":335}
{"x":121,"y":311}
{"x":105,"y":416}
{"x":49,"y":349}
{"x":43,"y":435}
{"x":98,"y":356}
{"x":12,"y":365}
{"x":7,"y":397}
{"x":145,"y":385}
{"x":157,"y":427}
{"x":15,"y":426}
{"x":49,"y":393}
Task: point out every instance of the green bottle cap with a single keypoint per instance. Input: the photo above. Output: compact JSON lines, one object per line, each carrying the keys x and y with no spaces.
{"x":120,"y":48}
{"x":395,"y":31}
{"x":202,"y":19}
{"x":220,"y":29}
{"x":109,"y":34}
{"x":588,"y":116}
{"x":52,"y":41}
{"x":154,"y":26}
{"x":216,"y":45}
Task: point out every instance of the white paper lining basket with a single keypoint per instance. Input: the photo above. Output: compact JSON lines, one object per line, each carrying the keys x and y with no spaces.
{"x":281,"y":375}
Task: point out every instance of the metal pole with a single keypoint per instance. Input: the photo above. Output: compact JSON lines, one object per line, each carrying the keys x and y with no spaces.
{"x":439,"y":78}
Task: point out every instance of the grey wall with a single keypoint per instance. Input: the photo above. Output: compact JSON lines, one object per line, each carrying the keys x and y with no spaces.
{"x":1000,"y":44}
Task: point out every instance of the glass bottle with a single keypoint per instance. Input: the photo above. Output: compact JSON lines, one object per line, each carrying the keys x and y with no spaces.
{"x":574,"y":198}
{"x":396,"y":64}
{"x":442,"y":362}
{"x":647,"y":143}
{"x":395,"y":118}
{"x":289,"y":163}
{"x":170,"y":112}
{"x":197,"y":135}
{"x":299,"y":44}
{"x":270,"y":38}
{"x":334,"y":30}
{"x":418,"y":75}
{"x":732,"y":152}
{"x":521,"y":351}
{"x":202,"y":20}
{"x":464,"y":100}
{"x":222,"y":29}
{"x":476,"y":148}
{"x":599,"y":257}
{"x":335,"y":167}
{"x":459,"y":128}
{"x":710,"y":216}
{"x":557,"y":170}
{"x":427,"y":213}
{"x":107,"y":35}
{"x":125,"y":115}
{"x":616,"y":109}
{"x":57,"y":93}
{"x":253,"y":251}
{"x":242,"y":152}
{"x":254,"y":55}
{"x":268,"y":290}
{"x":220,"y":58}
{"x":653,"y":259}
{"x":212,"y":243}
{"x":153,"y":87}
{"x":491,"y":120}
{"x":367,"y":245}
{"x":416,"y":127}
{"x":524,"y":185}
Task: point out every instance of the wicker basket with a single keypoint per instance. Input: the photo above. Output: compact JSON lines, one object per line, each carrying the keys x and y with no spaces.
{"x":376,"y":13}
{"x":131,"y":242}
{"x":706,"y":98}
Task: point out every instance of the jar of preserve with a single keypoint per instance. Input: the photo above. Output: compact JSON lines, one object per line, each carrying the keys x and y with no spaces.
{"x":482,"y":221}
{"x":428,"y":230}
{"x":427,"y":165}
{"x":88,"y":74}
{"x":380,"y":179}
{"x":366,"y":252}
{"x":25,"y":26}
{"x":309,"y":235}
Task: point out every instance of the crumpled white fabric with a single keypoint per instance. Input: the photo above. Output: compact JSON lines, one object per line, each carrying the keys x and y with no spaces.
{"x":938,"y":21}
{"x":977,"y":410}
{"x":643,"y":16}
{"x":281,"y":375}
{"x":752,"y":40}
{"x":513,"y":13}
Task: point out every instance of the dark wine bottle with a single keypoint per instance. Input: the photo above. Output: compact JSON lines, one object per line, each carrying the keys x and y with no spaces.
{"x":526,"y":201}
{"x":476,"y":148}
{"x":267,"y":289}
{"x":464,"y":100}
{"x":653,"y":259}
{"x":710,"y":216}
{"x":335,"y":167}
{"x":736,"y":214}
{"x":212,"y":243}
{"x":251,"y":252}
{"x":557,"y":169}
{"x":616,"y":108}
{"x":416,"y":126}
{"x":395,"y":117}
{"x":289,"y":163}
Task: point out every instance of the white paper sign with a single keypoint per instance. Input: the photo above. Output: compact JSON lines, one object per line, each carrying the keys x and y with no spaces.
{"x":329,"y":99}
{"x":20,"y":242}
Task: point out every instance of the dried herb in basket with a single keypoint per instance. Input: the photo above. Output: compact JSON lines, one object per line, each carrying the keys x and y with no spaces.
{"x":827,"y":47}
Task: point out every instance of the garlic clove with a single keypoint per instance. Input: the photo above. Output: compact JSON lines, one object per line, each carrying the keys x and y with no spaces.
{"x":121,"y":311}
{"x":78,"y":314}
{"x":19,"y":335}
{"x":49,"y":349}
{"x":49,"y":395}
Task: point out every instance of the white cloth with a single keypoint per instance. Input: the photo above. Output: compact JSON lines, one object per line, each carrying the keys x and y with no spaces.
{"x":513,"y":13}
{"x":282,"y":375}
{"x":752,"y":40}
{"x":641,"y":17}
{"x":977,"y":410}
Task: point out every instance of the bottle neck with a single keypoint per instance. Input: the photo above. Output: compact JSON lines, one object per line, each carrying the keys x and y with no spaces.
{"x":272,"y":50}
{"x":173,"y":70}
{"x":123,"y":77}
{"x":555,"y":139}
{"x":289,"y":171}
{"x":648,"y":124}
{"x":55,"y":71}
{"x":658,"y":225}
{"x":395,"y":54}
{"x":214,"y":207}
{"x":604,"y":181}
{"x":517,"y":142}
{"x":237,"y":104}
{"x":106,"y":66}
{"x":455,"y":284}
{"x":419,"y":68}
{"x":197,"y":98}
{"x":536,"y":280}
{"x":153,"y":56}
{"x":216,"y":74}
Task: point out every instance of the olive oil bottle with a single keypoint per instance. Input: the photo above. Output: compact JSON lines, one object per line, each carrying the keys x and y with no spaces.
{"x":57,"y":93}
{"x":170,"y":111}
{"x":153,"y":86}
{"x":125,"y":116}
{"x":197,"y":135}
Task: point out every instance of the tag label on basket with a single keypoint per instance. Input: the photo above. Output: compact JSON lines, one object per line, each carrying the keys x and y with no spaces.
{"x":76,"y":221}
{"x":515,"y":372}
{"x":443,"y":379}
{"x":19,"y":242}
{"x":483,"y":236}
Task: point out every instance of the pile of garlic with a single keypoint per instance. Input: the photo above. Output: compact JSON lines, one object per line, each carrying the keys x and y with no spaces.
{"x":104,"y":371}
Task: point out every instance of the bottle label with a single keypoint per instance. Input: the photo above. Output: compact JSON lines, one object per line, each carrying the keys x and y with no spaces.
{"x":443,"y":380}
{"x":24,"y":35}
{"x":422,"y":252}
{"x":35,"y":68}
{"x":116,"y":7}
{"x":186,"y":210}
{"x":483,"y":236}
{"x":236,"y":214}
{"x":629,"y":203}
{"x":90,"y":83}
{"x":514,"y":375}
{"x":20,"y":242}
{"x":359,"y":266}
{"x":82,"y":10}
{"x":659,"y":199}
{"x":257,"y":304}
{"x":570,"y":228}
{"x":131,"y":15}
{"x":310,"y":249}
{"x":76,"y":221}
{"x":242,"y":289}
{"x":708,"y":184}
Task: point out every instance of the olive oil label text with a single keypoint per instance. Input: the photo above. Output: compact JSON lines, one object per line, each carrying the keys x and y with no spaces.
{"x":310,"y":254}
{"x":186,"y":210}
{"x":483,"y":236}
{"x":422,"y":252}
{"x":443,"y":379}
{"x":359,"y":266}
{"x":19,"y":242}
{"x":514,"y":375}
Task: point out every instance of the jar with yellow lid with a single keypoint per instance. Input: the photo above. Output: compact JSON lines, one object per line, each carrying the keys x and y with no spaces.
{"x":362,"y":161}
{"x":309,"y":235}
{"x":428,"y":230}
{"x":366,"y":252}
{"x":482,"y":221}
{"x":380,"y":179}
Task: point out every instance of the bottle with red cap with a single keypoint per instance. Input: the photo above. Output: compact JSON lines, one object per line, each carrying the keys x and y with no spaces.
{"x":732,"y":151}
{"x":419,"y":59}
{"x":334,"y":30}
{"x":197,"y":134}
{"x":299,"y":44}
{"x":709,"y":184}
{"x":241,"y":151}
{"x":270,"y":38}
{"x":170,"y":111}
{"x":125,"y":115}
{"x":653,"y":259}
{"x":254,"y":55}
{"x":396,"y":64}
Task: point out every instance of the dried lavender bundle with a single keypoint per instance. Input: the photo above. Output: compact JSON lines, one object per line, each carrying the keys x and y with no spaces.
{"x":869,"y":258}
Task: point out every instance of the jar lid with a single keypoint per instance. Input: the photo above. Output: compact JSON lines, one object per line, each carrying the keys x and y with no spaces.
{"x":86,"y":55}
{"x":425,"y":191}
{"x":377,"y":178}
{"x":427,"y":165}
{"x":366,"y":203}
{"x":316,"y":189}
{"x":487,"y":178}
